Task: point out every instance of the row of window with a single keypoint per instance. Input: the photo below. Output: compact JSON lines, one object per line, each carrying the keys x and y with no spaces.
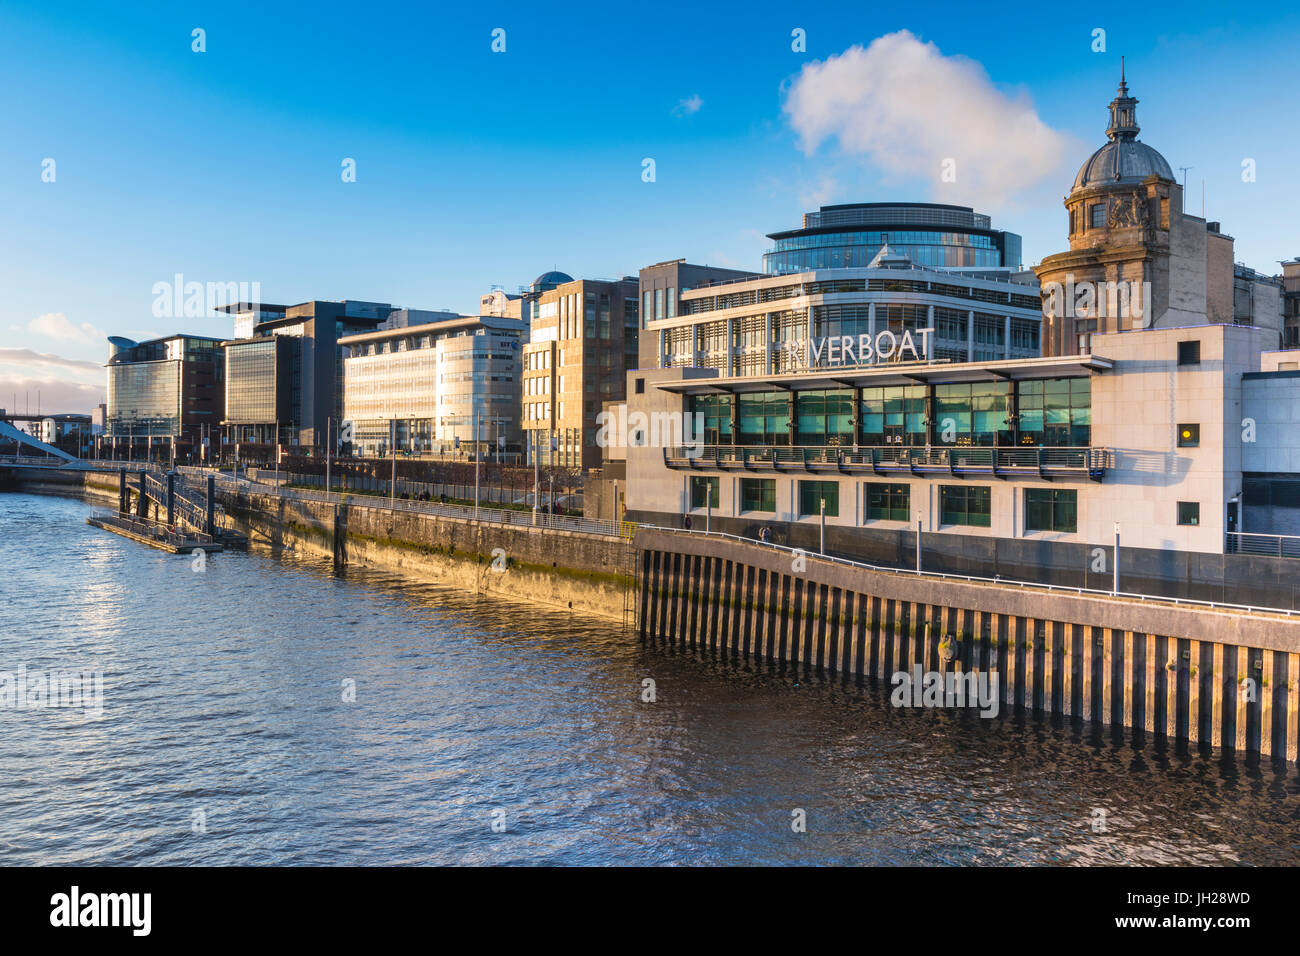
{"x":748,"y":297}
{"x":1054,"y":412}
{"x":1046,"y":509}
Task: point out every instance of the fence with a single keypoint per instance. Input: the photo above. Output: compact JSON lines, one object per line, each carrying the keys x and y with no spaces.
{"x":618,"y":529}
{"x":1272,"y":545}
{"x":1001,"y":582}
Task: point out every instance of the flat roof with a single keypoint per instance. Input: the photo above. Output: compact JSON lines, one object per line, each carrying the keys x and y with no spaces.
{"x":900,"y":373}
{"x":500,"y":322}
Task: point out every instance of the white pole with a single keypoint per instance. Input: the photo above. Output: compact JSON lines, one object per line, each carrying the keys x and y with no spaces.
{"x":536,"y":481}
{"x":918,"y":545}
{"x":823,"y":526}
{"x":328,"y":423}
{"x":1115,"y":570}
{"x":392,"y":487}
{"x":477,"y":456}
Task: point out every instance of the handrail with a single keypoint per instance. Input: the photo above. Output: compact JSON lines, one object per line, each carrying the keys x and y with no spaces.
{"x":974,"y":579}
{"x":1091,"y":459}
{"x":601,"y":526}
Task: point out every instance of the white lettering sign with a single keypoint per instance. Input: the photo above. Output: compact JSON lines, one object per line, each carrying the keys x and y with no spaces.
{"x":840,"y":350}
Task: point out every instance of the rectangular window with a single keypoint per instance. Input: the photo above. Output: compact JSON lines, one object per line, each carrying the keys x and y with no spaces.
{"x":1189,"y":353}
{"x":758,"y":494}
{"x":640,"y":386}
{"x":1189,"y":436}
{"x":889,"y":502}
{"x":702,"y":486}
{"x":966,"y":505}
{"x":672,"y":302}
{"x":659,"y":303}
{"x":1051,"y":509}
{"x":1189,"y":512}
{"x":812,"y":493}
{"x":646,"y":309}
{"x":1098,"y":212}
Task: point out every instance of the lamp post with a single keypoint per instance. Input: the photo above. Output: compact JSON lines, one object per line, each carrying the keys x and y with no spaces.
{"x":392,"y":446}
{"x":536,"y":476}
{"x":477,"y":455}
{"x":329,"y":422}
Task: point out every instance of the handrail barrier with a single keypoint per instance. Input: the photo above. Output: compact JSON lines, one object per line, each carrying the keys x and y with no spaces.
{"x":505,"y":516}
{"x":958,"y":458}
{"x":1269,"y":545}
{"x":974,"y":579}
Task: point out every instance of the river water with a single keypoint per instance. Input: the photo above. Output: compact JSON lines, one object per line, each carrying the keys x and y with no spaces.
{"x":489,"y":732}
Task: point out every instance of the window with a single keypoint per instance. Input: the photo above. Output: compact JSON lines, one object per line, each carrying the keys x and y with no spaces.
{"x":758,"y":494}
{"x":889,"y":502}
{"x":824,"y":417}
{"x":1189,"y":436}
{"x":1056,"y":411}
{"x":640,"y":386}
{"x":1189,"y":353}
{"x":1050,"y":509}
{"x":812,"y":493}
{"x":1189,"y":512}
{"x":702,"y":487}
{"x":894,"y":415}
{"x":764,"y":418}
{"x":1098,"y":212}
{"x":966,"y":504}
{"x":973,"y":414}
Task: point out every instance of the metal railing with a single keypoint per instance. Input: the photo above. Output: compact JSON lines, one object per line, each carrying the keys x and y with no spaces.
{"x":887,"y":458}
{"x":1270,"y":545}
{"x":147,"y":528}
{"x":504,"y":516}
{"x":1001,"y":582}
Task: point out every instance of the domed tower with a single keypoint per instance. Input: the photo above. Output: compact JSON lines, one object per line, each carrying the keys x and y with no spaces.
{"x":1135,"y":261}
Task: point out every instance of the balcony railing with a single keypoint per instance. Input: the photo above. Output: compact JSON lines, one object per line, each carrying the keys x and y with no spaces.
{"x":895,"y":459}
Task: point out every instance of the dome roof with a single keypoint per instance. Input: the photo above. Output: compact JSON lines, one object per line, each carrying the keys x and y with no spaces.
{"x":1122,"y":161}
{"x":551,"y":279}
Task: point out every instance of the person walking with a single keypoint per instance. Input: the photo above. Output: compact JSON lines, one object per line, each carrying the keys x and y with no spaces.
{"x":686,"y":522}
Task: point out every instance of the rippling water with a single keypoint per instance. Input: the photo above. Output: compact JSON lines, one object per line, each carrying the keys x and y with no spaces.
{"x":223,"y":702}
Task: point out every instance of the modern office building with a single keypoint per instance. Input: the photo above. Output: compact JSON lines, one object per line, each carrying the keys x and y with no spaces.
{"x":775,"y":398}
{"x":929,"y":234}
{"x":583,"y":338}
{"x":450,"y":387}
{"x":166,"y":389}
{"x":1290,"y":279}
{"x":661,"y":287}
{"x":754,"y":325}
{"x":290,"y":392}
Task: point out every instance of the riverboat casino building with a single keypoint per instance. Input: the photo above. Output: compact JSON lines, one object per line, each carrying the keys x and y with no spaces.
{"x":900,"y":395}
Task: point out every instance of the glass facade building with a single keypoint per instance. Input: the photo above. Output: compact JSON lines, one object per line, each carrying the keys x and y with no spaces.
{"x":163,"y":388}
{"x":929,"y":234}
{"x":436,"y":388}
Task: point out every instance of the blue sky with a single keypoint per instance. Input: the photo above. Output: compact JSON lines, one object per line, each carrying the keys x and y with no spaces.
{"x":477,"y":168}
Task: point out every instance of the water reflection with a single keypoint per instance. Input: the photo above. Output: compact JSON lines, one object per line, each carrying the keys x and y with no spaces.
{"x":224,"y":693}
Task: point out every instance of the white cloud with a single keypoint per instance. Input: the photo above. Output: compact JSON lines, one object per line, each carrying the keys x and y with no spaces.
{"x":55,"y":325}
{"x":908,"y":109}
{"x":689,"y":106}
